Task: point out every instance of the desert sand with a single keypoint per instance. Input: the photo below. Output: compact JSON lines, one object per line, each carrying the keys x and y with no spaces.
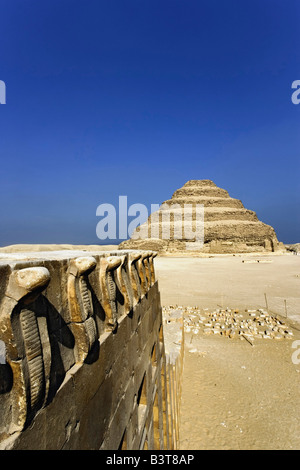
{"x":239,"y":281}
{"x":31,"y":247}
{"x":236,"y":395}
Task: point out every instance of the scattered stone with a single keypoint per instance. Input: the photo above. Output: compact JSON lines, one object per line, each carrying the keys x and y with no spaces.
{"x":207,"y":331}
{"x":229,"y":322}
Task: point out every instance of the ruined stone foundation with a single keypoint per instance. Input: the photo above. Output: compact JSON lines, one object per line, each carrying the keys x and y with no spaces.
{"x":227,"y":226}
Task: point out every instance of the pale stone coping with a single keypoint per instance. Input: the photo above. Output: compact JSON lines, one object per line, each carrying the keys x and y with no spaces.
{"x":17,"y":247}
{"x":210,"y":223}
{"x":189,"y":209}
{"x":201,"y":196}
{"x":57,"y":255}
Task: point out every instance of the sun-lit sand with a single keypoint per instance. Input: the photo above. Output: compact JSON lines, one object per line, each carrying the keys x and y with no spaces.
{"x":19,"y":248}
{"x":236,"y":395}
{"x":241,"y":281}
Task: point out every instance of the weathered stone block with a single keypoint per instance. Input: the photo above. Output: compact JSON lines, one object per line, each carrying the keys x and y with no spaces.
{"x":78,"y":341}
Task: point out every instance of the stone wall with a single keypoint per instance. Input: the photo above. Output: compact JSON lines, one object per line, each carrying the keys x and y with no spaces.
{"x":82,"y":353}
{"x":174,"y":351}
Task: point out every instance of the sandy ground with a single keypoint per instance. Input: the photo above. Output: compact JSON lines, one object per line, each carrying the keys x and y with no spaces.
{"x":20,"y":248}
{"x":232,"y":281}
{"x":234,"y":395}
{"x":238,"y":396}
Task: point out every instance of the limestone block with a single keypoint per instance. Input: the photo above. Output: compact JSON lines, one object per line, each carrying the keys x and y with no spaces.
{"x":120,"y":419}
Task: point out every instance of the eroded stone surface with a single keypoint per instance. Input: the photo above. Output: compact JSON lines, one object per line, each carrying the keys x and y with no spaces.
{"x":79,"y":336}
{"x":228,"y":226}
{"x":249,"y":324}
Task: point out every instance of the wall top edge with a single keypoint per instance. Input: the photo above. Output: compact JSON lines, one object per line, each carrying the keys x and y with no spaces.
{"x":11,"y":258}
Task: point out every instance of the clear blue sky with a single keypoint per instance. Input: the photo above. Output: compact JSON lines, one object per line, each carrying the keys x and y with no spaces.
{"x":136,"y":97}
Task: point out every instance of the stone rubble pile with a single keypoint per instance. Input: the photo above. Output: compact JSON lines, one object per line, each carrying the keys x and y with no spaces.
{"x":232,"y":323}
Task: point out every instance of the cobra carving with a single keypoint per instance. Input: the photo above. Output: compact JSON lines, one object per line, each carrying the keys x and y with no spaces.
{"x":45,"y":331}
{"x":108,"y":266}
{"x":83,"y":324}
{"x":21,"y":335}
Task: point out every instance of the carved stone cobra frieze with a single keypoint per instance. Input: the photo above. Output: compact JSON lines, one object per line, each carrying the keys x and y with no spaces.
{"x":134,"y":274}
{"x":123,"y":280}
{"x":151,"y":267}
{"x":142,"y":270}
{"x":83,"y":324}
{"x":108,"y":267}
{"x":19,"y":330}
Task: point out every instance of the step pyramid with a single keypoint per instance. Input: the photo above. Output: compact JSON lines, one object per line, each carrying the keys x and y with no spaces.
{"x":222,"y":223}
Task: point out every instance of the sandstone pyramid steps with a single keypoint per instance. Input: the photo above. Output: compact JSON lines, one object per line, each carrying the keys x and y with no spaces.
{"x":226,"y":230}
{"x":197,"y":183}
{"x":207,"y":201}
{"x":238,"y":230}
{"x":223,"y":213}
{"x":210,"y":213}
{"x":206,"y":191}
{"x":227,"y":226}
